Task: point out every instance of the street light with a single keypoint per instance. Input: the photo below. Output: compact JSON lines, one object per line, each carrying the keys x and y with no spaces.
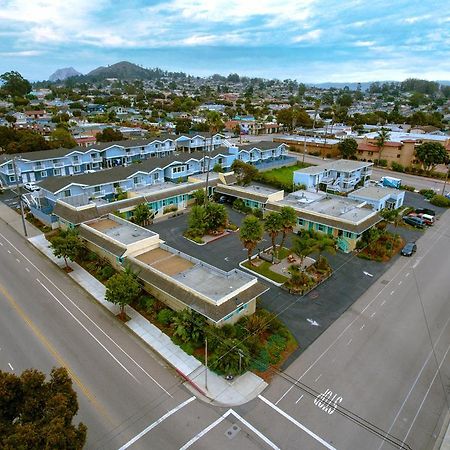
{"x":240,"y":360}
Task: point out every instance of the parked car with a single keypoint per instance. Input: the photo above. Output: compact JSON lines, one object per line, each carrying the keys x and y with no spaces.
{"x":429,"y":220}
{"x":31,"y":187}
{"x":409,"y":249}
{"x":428,"y":211}
{"x":414,"y":221}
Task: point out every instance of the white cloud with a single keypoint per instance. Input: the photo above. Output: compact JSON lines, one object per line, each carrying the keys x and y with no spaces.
{"x":364,"y":43}
{"x":309,"y":36}
{"x":22,"y":53}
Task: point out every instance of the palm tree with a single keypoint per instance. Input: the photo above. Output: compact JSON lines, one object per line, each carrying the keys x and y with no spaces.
{"x":215,"y":124}
{"x":288,"y":222}
{"x":325,"y":244}
{"x":303,"y":245}
{"x":250,"y":233}
{"x":273,"y":225}
{"x":381,"y":139}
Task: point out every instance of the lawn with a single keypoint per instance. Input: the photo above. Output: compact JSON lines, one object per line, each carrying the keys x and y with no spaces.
{"x":263,"y":269}
{"x":281,"y":177}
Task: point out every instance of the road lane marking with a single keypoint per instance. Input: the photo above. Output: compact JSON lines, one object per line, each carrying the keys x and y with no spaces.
{"x":18,"y":260}
{"x":49,"y":347}
{"x":400,"y":282}
{"x":317,"y":379}
{"x":9,"y":251}
{"x":373,"y":314}
{"x":407,"y":275}
{"x":1,"y":244}
{"x":392,"y":292}
{"x":301,"y":396}
{"x":157,"y":422}
{"x":90,"y":334}
{"x":86,"y":316}
{"x":426,"y":395}
{"x":383,"y":302}
{"x":362,"y":326}
{"x":27,"y":269}
{"x":349,"y":342}
{"x":341,"y":333}
{"x":257,"y":432}
{"x":327,"y":401}
{"x":10,"y":366}
{"x":296,"y":423}
{"x":415,"y":381}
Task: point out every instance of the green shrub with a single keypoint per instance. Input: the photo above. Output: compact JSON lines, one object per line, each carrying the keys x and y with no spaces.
{"x":262,"y":361}
{"x":440,"y":200}
{"x":106,"y":272}
{"x":405,"y":187}
{"x":396,"y":167}
{"x":165,"y":316}
{"x":382,"y":162}
{"x":188,"y":347}
{"x":232,"y":227}
{"x":427,"y":193}
{"x":147,"y":303}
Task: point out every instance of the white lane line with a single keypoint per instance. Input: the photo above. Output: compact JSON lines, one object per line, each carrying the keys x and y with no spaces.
{"x":157,"y":422}
{"x":400,"y":282}
{"x":392,"y":292}
{"x":27,"y":269}
{"x":349,"y":342}
{"x":86,"y":316}
{"x":415,"y":382}
{"x":373,"y":314}
{"x":257,"y":432}
{"x":90,"y":334}
{"x":301,"y":396}
{"x":317,"y":379}
{"x":407,"y":275}
{"x":1,"y":244}
{"x":18,"y":260}
{"x":10,"y":366}
{"x":426,"y":395}
{"x":362,"y":326}
{"x":9,"y":251}
{"x":298,"y":424}
{"x":204,"y":431}
{"x":383,"y":302}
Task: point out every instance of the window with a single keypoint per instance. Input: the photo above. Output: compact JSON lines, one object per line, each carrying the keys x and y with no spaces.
{"x":301,"y":222}
{"x":116,"y":185}
{"x":156,"y":175}
{"x":77,"y":169}
{"x":348,"y":234}
{"x":398,"y":155}
{"x":320,"y":227}
{"x":57,"y":172}
{"x":97,"y":189}
{"x":44,"y":174}
{"x":55,"y":161}
{"x":75,"y":159}
{"x":10,"y":166}
{"x":12,"y":178}
{"x":66,"y":193}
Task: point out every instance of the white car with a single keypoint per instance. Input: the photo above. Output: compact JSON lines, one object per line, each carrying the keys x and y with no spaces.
{"x":31,"y":187}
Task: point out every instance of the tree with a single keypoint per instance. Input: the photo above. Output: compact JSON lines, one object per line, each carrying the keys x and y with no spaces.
{"x":250,"y":233}
{"x":183,"y":125}
{"x":62,"y":138}
{"x":324,"y":243}
{"x":244,"y":172}
{"x":14,"y":84}
{"x":215,"y":216}
{"x":197,"y":220}
{"x":122,"y":289}
{"x":189,"y":325}
{"x":35,"y":413}
{"x":430,"y":154}
{"x":217,"y":168}
{"x":231,"y":357}
{"x":273,"y":225}
{"x":109,"y":135}
{"x":381,"y":139}
{"x":304,"y":244}
{"x":348,"y":147}
{"x":199,"y":196}
{"x":142,"y":214}
{"x":67,"y":245}
{"x":288,"y":222}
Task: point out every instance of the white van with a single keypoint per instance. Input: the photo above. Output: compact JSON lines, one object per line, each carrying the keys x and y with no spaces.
{"x":428,"y":219}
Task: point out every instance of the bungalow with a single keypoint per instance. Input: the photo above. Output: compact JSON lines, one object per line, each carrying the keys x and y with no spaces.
{"x":379,"y":197}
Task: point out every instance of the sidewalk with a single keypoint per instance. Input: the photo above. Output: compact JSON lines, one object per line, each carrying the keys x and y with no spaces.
{"x":14,"y":220}
{"x":215,"y":390}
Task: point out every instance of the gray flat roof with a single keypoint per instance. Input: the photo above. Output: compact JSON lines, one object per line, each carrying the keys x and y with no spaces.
{"x":309,"y":139}
{"x":343,"y":165}
{"x":375,"y":192}
{"x":120,"y":230}
{"x":398,"y":136}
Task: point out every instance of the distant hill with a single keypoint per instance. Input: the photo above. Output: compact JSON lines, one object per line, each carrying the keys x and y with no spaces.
{"x":63,"y":74}
{"x":125,"y":70}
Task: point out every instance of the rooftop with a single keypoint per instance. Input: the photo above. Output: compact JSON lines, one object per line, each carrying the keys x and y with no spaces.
{"x":340,"y":165}
{"x":324,"y":204}
{"x":197,"y":276}
{"x":375,"y":192}
{"x":120,"y":230}
{"x":402,"y":136}
{"x":309,"y":139}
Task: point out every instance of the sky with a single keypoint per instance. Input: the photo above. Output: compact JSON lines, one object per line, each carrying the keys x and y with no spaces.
{"x":312,"y":41}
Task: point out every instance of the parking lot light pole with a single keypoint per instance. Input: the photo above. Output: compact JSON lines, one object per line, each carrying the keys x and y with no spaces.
{"x":20,"y":197}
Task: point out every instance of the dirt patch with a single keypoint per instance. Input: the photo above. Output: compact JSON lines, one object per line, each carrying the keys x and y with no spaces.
{"x":104,"y":224}
{"x":173,"y":265}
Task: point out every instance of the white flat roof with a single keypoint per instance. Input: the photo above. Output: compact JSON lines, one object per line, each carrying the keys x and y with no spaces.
{"x":343,"y":165}
{"x":375,"y":192}
{"x":397,"y":136}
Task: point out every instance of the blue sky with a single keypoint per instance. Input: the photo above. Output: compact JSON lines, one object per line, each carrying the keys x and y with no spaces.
{"x":307,"y":40}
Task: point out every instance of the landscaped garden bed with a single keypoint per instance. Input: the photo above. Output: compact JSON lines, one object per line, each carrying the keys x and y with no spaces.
{"x":379,"y":245}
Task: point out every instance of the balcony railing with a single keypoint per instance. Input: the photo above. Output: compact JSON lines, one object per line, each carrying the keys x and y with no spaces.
{"x":98,"y":194}
{"x":97,"y":159}
{"x":58,"y":165}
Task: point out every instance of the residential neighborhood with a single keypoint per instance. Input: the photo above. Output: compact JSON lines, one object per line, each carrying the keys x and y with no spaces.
{"x":222,"y":228}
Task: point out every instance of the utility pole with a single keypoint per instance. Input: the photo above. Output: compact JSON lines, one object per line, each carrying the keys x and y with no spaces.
{"x":206,"y":363}
{"x":304,"y":145}
{"x":19,"y":195}
{"x":445,"y":181}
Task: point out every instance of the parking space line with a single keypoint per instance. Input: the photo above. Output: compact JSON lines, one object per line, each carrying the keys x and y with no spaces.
{"x":392,"y":292}
{"x":373,"y":314}
{"x":157,"y":422}
{"x":407,"y":275}
{"x":301,"y":396}
{"x":349,"y":342}
{"x":362,"y":326}
{"x":383,"y":302}
{"x":318,"y":378}
{"x":296,"y":423}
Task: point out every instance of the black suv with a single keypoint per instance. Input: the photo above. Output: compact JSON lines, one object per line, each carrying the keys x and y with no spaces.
{"x":409,"y":249}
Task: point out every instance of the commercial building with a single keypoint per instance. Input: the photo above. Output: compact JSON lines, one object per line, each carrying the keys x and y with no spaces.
{"x":173,"y":277}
